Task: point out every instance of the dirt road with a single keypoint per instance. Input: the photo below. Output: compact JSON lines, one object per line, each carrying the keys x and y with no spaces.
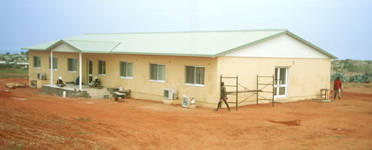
{"x":31,"y":120}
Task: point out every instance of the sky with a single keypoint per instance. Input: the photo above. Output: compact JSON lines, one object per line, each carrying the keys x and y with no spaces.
{"x":341,"y":27}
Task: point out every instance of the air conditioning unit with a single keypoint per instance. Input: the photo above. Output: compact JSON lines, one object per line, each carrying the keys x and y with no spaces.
{"x":170,"y":94}
{"x":41,"y":76}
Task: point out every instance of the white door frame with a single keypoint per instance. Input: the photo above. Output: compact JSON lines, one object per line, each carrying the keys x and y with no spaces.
{"x":278,"y":84}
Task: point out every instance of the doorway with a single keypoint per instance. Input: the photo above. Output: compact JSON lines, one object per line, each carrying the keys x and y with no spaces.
{"x":281,"y":82}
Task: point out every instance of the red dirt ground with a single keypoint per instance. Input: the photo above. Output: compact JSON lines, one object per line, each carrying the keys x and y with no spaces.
{"x":31,"y":120}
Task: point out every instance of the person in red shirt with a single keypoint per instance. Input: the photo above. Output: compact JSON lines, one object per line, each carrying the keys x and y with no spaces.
{"x":337,"y":88}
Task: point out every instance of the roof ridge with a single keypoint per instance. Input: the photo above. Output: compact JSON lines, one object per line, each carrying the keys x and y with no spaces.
{"x":201,"y":31}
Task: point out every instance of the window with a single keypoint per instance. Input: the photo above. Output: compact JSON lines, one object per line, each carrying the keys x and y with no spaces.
{"x":101,"y":67}
{"x":194,"y":75}
{"x":157,"y":72}
{"x":37,"y":61}
{"x":281,"y":82}
{"x":55,"y":63}
{"x":72,"y":64}
{"x":126,"y":69}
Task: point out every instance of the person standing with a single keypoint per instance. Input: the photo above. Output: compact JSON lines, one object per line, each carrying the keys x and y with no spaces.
{"x":223,"y":97}
{"x":337,"y":88}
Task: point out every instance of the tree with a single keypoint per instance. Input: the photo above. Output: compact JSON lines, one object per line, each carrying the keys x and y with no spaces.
{"x":7,"y":53}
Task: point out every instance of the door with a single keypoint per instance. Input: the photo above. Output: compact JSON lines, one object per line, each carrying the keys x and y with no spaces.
{"x":281,"y":82}
{"x":90,"y":71}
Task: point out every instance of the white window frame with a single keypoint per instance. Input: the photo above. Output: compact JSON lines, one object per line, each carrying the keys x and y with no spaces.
{"x":286,"y":85}
{"x":157,"y":73}
{"x":125,"y":76}
{"x":194,"y":84}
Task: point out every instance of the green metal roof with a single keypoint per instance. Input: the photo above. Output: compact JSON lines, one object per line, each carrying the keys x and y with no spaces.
{"x":204,"y":44}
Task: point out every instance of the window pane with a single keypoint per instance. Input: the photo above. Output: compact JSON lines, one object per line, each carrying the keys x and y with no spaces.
{"x":69,"y":64}
{"x":161,"y":72}
{"x":281,"y":90}
{"x":104,"y":67}
{"x":55,"y":63}
{"x":199,"y":75}
{"x":122,"y":69}
{"x":36,"y":61}
{"x":153,"y":71}
{"x":101,"y":67}
{"x":283,"y":75}
{"x":72,"y":65}
{"x":190,"y":72}
{"x":129,"y":69}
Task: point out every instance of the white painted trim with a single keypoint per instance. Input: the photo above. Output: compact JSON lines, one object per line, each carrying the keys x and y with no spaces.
{"x":80,"y":72}
{"x":126,"y":77}
{"x":160,"y":81}
{"x":197,"y":85}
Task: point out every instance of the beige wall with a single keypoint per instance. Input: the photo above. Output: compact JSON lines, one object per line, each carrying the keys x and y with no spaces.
{"x":62,"y":69}
{"x":306,"y":76}
{"x":141,"y":86}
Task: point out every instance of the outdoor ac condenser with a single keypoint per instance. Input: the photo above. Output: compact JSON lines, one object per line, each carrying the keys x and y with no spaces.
{"x":170,"y":94}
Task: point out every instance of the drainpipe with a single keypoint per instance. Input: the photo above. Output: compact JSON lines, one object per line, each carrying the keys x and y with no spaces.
{"x":80,"y":72}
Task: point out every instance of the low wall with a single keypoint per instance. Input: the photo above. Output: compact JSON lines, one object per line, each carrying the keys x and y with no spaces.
{"x":58,"y":91}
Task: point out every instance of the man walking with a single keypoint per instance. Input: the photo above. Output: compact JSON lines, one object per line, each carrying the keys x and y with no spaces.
{"x":337,"y":88}
{"x":223,"y":97}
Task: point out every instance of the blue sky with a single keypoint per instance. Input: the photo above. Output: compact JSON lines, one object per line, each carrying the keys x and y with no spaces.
{"x":342,"y":27}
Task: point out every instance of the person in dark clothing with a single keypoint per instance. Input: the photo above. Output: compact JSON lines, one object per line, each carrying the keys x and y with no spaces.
{"x":223,"y":97}
{"x":60,"y":82}
{"x":337,"y":88}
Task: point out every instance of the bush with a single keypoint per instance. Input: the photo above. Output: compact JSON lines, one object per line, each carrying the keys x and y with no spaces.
{"x":343,"y":77}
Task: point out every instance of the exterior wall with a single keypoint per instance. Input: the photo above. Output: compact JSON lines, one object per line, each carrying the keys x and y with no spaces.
{"x":44,"y":66}
{"x":305,"y":76}
{"x":283,"y":46}
{"x":141,"y":86}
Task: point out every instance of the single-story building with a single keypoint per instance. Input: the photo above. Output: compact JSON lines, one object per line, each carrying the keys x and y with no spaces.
{"x":188,"y":63}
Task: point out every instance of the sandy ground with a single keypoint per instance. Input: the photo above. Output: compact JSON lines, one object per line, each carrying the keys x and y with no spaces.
{"x":31,"y":120}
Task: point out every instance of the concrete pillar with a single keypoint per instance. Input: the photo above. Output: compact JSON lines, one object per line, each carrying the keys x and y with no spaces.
{"x":51,"y":67}
{"x":80,"y":72}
